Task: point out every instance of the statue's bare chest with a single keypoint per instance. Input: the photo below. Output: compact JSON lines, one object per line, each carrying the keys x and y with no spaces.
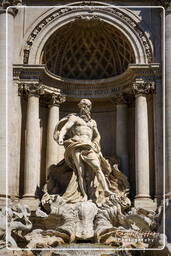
{"x":82,"y":123}
{"x":82,"y":127}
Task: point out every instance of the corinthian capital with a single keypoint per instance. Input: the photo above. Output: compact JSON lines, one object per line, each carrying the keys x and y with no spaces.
{"x":6,"y":3}
{"x":143,"y":87}
{"x":56,"y":99}
{"x":30,"y":89}
{"x":165,"y":3}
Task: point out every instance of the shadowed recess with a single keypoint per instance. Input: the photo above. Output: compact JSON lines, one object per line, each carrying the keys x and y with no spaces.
{"x":87,"y":49}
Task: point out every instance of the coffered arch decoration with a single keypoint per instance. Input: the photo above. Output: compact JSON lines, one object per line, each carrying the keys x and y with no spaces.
{"x":122,"y":21}
{"x":87,"y":49}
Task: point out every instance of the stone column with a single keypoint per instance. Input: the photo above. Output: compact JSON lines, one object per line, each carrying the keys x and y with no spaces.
{"x":122,"y":132}
{"x":168,"y":101}
{"x":6,"y":57}
{"x":32,"y":146}
{"x":142,"y":199}
{"x":52,"y":147}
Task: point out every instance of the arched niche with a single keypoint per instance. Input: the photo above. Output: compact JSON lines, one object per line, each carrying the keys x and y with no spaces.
{"x":87,"y":49}
{"x":121,"y":20}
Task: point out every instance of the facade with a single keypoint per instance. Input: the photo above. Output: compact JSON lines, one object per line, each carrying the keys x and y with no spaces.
{"x":61,"y":52}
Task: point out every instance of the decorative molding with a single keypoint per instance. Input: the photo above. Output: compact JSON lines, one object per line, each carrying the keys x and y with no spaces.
{"x":137,"y":29}
{"x":50,"y":90}
{"x":26,"y":56}
{"x":39,"y":27}
{"x":143,"y":87}
{"x":115,"y":11}
{"x":87,"y":18}
{"x":87,"y":3}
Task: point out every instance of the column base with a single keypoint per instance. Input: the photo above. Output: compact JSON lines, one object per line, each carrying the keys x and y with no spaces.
{"x":145,"y":203}
{"x":31,"y":202}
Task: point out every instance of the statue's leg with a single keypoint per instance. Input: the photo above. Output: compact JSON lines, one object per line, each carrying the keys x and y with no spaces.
{"x":80,"y":171}
{"x":95,"y":165}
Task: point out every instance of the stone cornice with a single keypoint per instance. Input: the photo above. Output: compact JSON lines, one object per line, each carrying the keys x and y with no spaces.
{"x":55,"y":96}
{"x":50,"y":90}
{"x":102,"y":88}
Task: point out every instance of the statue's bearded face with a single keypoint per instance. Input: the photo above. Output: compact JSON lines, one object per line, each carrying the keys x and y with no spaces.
{"x":85,"y":107}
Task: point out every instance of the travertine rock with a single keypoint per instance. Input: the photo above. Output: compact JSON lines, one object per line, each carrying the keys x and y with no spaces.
{"x":18,"y":222}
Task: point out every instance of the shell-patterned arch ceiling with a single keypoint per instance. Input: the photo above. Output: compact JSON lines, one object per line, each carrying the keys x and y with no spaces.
{"x":87,"y":49}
